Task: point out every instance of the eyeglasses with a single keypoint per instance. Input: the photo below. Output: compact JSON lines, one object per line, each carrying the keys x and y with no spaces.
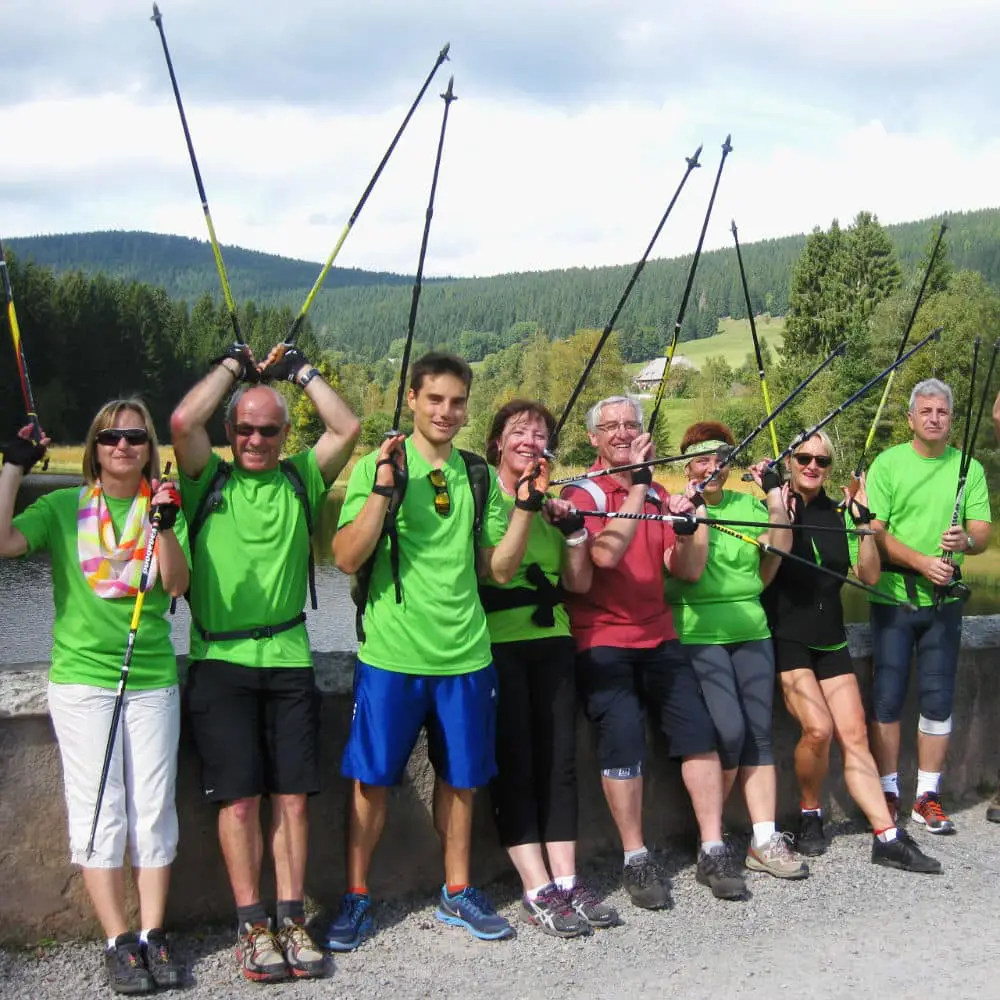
{"x":442,"y":500}
{"x":266,"y":431}
{"x":804,"y":458}
{"x":625,"y":425}
{"x":112,"y":435}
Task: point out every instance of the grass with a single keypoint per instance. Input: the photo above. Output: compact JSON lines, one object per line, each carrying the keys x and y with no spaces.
{"x":734,"y":342}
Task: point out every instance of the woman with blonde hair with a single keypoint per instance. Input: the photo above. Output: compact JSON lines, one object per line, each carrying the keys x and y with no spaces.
{"x":96,"y":536}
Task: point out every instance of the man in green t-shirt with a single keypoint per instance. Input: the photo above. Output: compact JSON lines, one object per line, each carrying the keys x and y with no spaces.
{"x":912,"y":490}
{"x":251,"y":695}
{"x":425,"y":660}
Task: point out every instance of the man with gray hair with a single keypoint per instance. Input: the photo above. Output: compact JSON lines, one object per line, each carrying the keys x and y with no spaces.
{"x":629,"y":658}
{"x":251,"y":695}
{"x":913,"y":493}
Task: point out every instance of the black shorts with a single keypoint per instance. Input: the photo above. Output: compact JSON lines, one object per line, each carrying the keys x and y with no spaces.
{"x":616,"y":682}
{"x":824,"y":663}
{"x":256,"y":729}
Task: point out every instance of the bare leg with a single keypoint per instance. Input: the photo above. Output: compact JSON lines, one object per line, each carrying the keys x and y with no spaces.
{"x":703,"y":779}
{"x":728,"y":782}
{"x":931,"y":751}
{"x":624,"y":797}
{"x":562,"y":858}
{"x":242,"y":848}
{"x":366,"y":809}
{"x":530,"y":865}
{"x":885,"y":746}
{"x":289,"y":844}
{"x":153,"y":885}
{"x":804,"y":698}
{"x":453,"y":821}
{"x":760,"y":789}
{"x":106,"y":887}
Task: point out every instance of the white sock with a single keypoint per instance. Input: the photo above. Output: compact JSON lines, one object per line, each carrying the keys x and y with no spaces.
{"x":890,"y":783}
{"x":762,"y":833}
{"x":111,"y":943}
{"x":707,"y":846}
{"x":532,"y":894}
{"x":639,"y":852}
{"x":144,"y":936}
{"x":818,"y":811}
{"x":927,"y":781}
{"x":566,"y":882}
{"x":888,"y":836}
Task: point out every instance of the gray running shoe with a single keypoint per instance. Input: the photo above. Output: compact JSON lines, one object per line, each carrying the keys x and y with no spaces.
{"x":586,"y":904}
{"x":552,"y":912}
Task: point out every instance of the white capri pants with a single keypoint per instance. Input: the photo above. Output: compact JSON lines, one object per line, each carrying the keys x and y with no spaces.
{"x":139,"y":806}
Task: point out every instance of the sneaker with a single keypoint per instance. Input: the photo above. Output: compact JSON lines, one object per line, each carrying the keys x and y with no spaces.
{"x":166,"y":973}
{"x":302,"y":956}
{"x":810,"y":840}
{"x":259,"y":955}
{"x":993,"y":809}
{"x":127,"y":973}
{"x":352,"y":924}
{"x":892,"y":804}
{"x":646,"y":883}
{"x":717,"y":870}
{"x":777,"y":858}
{"x":903,"y":853}
{"x":552,"y":912}
{"x":927,"y":810}
{"x":472,"y":910}
{"x":597,"y":914}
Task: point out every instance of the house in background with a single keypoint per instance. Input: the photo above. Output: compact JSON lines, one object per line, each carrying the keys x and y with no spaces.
{"x":652,"y":372}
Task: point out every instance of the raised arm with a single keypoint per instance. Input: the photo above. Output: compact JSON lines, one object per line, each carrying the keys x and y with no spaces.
{"x":576,"y":571}
{"x":768,"y":478}
{"x":501,"y":561}
{"x":174,"y":572}
{"x":18,"y":458}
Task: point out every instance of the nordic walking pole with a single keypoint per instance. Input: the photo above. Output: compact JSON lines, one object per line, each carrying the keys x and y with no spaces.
{"x":22,"y":364}
{"x":753,"y":334}
{"x":727,"y":148}
{"x":692,"y":164}
{"x":220,"y":266}
{"x":133,"y":628}
{"x":860,"y":467}
{"x":448,"y":96}
{"x":729,"y":522}
{"x":615,"y":469}
{"x":293,"y":331}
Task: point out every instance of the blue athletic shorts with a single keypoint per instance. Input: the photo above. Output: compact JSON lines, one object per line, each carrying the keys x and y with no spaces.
{"x":458,"y":710}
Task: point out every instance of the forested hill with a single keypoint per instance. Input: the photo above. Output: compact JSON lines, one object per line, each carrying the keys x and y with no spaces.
{"x":363,"y":312}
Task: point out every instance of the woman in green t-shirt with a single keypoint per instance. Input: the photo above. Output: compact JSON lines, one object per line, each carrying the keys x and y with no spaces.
{"x":96,"y":536}
{"x":720,"y":621}
{"x":534,"y":792}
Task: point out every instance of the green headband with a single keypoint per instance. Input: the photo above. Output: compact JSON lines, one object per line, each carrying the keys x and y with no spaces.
{"x":706,"y":446}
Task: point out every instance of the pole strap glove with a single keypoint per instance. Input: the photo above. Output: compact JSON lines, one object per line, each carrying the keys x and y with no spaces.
{"x":535,"y":499}
{"x":771,"y":478}
{"x":164,"y":515}
{"x":685,"y":524}
{"x":571,"y":524}
{"x":287,"y":367}
{"x":23,"y":453}
{"x":241,"y":354}
{"x":642,"y":476}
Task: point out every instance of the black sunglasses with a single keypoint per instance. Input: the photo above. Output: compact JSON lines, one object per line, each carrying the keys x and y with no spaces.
{"x":804,"y":458}
{"x":248,"y":430}
{"x":442,"y":501}
{"x":133,"y":435}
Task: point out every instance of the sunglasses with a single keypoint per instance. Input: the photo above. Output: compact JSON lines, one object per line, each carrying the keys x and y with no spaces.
{"x":248,"y":430}
{"x":442,"y":501}
{"x":133,"y":435}
{"x":804,"y":458}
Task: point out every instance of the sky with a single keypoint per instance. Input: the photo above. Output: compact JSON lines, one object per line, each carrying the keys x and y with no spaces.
{"x":564,"y":148}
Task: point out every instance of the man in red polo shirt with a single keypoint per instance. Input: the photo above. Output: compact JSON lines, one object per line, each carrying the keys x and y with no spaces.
{"x":628,"y":655}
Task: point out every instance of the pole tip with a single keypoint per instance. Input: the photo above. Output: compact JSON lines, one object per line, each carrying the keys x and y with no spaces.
{"x":443,"y":54}
{"x":156,"y":14}
{"x":732,"y":226}
{"x":692,"y":161}
{"x":727,"y":146}
{"x":449,"y":95}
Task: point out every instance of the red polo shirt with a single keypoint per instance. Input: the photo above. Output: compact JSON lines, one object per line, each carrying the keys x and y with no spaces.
{"x":625,"y":605}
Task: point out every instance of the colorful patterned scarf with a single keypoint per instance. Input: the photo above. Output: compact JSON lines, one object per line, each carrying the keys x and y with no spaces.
{"x":113,"y":568}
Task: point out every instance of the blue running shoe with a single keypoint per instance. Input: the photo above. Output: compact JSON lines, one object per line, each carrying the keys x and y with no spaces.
{"x":472,"y":910}
{"x":352,"y":924}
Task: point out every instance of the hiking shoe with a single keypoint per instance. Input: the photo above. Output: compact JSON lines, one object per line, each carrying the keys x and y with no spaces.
{"x":166,"y":973}
{"x":259,"y":955}
{"x":892,"y":804}
{"x":302,"y":956}
{"x":810,"y":840}
{"x":904,"y":854}
{"x":472,"y":910}
{"x":587,"y":906}
{"x":127,"y":973}
{"x":777,"y":858}
{"x":993,"y":809}
{"x":646,"y":883}
{"x":552,"y":912}
{"x":927,"y":810}
{"x":717,"y":869}
{"x":352,"y":924}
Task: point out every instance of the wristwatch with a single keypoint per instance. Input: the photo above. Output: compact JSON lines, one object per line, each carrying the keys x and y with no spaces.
{"x":304,"y":380}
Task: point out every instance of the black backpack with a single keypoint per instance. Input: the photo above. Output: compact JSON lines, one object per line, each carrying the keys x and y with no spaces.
{"x":361,"y":582}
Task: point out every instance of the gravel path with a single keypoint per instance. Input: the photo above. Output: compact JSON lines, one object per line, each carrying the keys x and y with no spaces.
{"x":851,"y":930}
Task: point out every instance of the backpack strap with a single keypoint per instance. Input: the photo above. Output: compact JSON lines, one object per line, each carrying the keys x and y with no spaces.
{"x":210,"y":501}
{"x":601,"y":498}
{"x":299,"y":488}
{"x":480,"y":483}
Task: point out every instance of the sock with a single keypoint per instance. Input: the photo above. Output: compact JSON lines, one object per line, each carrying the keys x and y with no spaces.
{"x":812,"y":811}
{"x":532,"y":894}
{"x":890,"y":783}
{"x":566,"y":882}
{"x":144,"y":935}
{"x":927,"y":781}
{"x":111,"y":943}
{"x":253,"y":914}
{"x":639,"y":852}
{"x":454,"y":890}
{"x":358,"y":890}
{"x":887,"y":835}
{"x":294,"y":909}
{"x":708,"y":846}
{"x":762,"y":833}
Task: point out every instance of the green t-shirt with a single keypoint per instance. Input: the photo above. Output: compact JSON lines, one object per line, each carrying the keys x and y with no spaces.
{"x":914,"y":497}
{"x":251,"y":562}
{"x":440,"y":627}
{"x":724,"y":605}
{"x":89,"y":633}
{"x":545,"y":547}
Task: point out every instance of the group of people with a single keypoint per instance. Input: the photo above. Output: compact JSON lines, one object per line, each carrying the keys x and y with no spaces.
{"x":487,"y":609}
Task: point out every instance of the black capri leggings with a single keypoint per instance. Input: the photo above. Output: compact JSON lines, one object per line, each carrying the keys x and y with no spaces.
{"x":534,"y":792}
